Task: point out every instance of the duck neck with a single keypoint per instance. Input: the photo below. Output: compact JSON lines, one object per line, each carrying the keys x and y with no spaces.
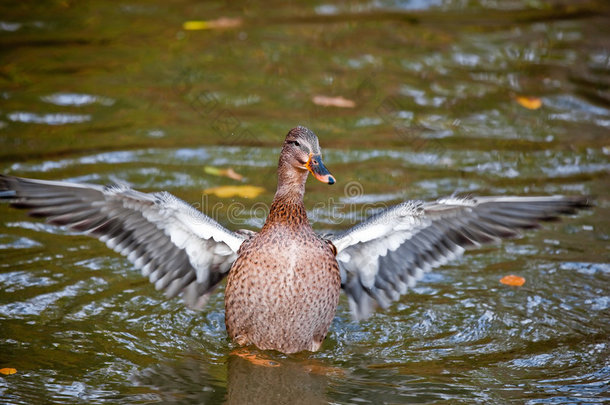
{"x":287,"y":206}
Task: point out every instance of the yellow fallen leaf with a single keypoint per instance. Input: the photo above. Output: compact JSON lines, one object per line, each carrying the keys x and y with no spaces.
{"x":8,"y":371}
{"x":235,"y":191}
{"x":513,"y":280}
{"x":326,"y":101}
{"x":531,"y":103}
{"x":230,"y":173}
{"x":222,"y":22}
{"x":212,"y":170}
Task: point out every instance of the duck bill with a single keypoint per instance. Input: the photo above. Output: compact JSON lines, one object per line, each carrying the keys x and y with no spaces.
{"x":319,"y":171}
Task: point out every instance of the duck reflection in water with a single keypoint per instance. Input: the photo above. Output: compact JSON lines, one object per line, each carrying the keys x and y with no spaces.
{"x":245,"y":380}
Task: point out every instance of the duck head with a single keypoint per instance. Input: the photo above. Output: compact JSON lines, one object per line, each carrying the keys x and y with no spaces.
{"x":302,"y":150}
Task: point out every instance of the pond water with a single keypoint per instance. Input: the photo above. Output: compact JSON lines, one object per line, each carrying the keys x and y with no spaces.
{"x":478,"y":97}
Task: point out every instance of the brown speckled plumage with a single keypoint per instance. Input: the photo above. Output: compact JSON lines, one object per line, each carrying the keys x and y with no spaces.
{"x":283,"y":289}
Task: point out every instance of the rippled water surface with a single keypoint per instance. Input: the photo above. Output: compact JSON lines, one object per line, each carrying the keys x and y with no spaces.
{"x":479,"y":97}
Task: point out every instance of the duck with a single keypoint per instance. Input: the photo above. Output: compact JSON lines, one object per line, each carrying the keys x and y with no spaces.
{"x":284,"y":281}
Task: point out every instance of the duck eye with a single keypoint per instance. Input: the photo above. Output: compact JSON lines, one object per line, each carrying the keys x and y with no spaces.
{"x":295,"y":143}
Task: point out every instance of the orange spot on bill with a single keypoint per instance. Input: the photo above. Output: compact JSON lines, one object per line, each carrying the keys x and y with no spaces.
{"x":531,"y":103}
{"x":513,"y":280}
{"x":326,"y":101}
{"x":8,"y":371}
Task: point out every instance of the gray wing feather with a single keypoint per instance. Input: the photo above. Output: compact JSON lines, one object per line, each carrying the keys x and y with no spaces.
{"x":179,"y":249}
{"x":387,"y":253}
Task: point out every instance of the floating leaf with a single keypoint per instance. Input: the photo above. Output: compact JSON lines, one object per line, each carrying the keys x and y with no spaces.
{"x":235,"y":191}
{"x":513,"y":280}
{"x":222,"y":22}
{"x":254,"y":358}
{"x":531,"y":103}
{"x":230,"y":173}
{"x":233,"y":174}
{"x":326,"y":101}
{"x":8,"y":371}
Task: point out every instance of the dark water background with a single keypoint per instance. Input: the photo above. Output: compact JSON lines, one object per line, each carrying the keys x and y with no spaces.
{"x":114,"y":90}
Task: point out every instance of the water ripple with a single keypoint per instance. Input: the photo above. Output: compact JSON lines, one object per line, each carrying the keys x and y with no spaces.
{"x":76,"y":99}
{"x":49,"y":119}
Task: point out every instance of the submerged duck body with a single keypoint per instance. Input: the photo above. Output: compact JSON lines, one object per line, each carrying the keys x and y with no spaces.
{"x":284,"y":282}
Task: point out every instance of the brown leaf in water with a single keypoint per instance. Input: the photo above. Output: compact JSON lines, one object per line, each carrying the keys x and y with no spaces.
{"x":326,"y":101}
{"x":254,"y":358}
{"x":230,"y":173}
{"x":8,"y":371}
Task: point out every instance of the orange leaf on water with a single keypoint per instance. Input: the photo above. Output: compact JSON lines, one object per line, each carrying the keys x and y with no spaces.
{"x":254,"y":358}
{"x":513,"y":280}
{"x":326,"y":101}
{"x":531,"y":103}
{"x":8,"y":371}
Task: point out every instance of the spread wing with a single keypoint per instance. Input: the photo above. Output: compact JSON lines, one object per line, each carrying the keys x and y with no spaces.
{"x":382,"y":256}
{"x":180,"y":250}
